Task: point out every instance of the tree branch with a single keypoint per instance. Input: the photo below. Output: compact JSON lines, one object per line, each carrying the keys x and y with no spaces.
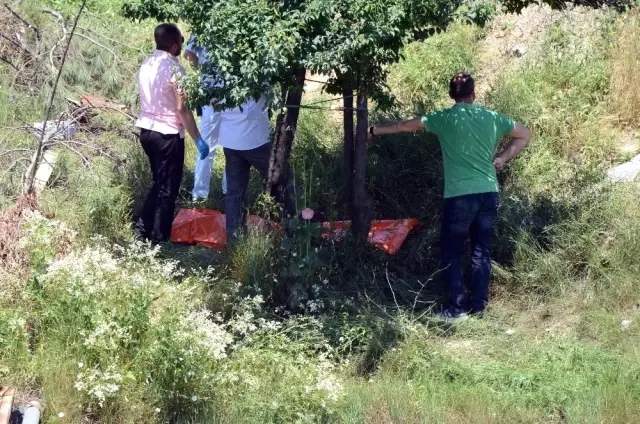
{"x":31,"y":171}
{"x":33,"y":27}
{"x":60,"y":20}
{"x":8,"y":62}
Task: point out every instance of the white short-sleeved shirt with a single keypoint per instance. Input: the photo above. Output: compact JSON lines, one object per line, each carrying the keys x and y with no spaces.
{"x":247,"y":129}
{"x":239,"y":130}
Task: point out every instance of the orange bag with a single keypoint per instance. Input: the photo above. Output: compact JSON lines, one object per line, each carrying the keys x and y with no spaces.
{"x":200,"y":226}
{"x":387,"y":235}
{"x":208,"y":228}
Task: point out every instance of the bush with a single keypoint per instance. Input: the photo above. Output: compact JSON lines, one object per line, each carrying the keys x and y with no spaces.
{"x":479,"y":12}
{"x":137,"y":329}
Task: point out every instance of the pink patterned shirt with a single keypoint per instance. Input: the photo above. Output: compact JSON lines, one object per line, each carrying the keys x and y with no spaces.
{"x":158,"y":108}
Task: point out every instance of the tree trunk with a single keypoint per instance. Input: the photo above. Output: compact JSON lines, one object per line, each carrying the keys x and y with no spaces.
{"x":285,"y":132}
{"x":362,"y":210}
{"x":347,"y":169}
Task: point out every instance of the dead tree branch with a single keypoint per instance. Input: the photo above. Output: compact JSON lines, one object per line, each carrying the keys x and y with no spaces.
{"x":31,"y":170}
{"x":60,"y":20}
{"x":8,"y":62}
{"x":30,"y":26}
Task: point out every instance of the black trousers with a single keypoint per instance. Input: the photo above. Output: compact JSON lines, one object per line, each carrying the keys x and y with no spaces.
{"x":166,"y":157}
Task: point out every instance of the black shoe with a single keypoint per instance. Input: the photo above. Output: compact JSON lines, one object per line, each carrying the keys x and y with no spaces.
{"x":477,"y":314}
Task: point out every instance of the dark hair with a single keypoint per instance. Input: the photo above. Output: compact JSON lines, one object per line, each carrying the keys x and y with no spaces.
{"x":461,"y":86}
{"x":166,"y":35}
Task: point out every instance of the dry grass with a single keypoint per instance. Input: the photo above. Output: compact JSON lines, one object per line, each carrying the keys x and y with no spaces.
{"x":12,"y":257}
{"x":625,"y":80}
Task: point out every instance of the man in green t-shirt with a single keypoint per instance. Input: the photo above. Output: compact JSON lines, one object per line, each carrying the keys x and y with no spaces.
{"x":469,"y":135}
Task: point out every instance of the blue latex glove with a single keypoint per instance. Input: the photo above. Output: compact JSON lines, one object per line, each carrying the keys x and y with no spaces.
{"x":203,"y":148}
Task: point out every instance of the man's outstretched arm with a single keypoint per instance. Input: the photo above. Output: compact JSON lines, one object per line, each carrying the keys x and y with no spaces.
{"x":520,"y":137}
{"x":411,"y":125}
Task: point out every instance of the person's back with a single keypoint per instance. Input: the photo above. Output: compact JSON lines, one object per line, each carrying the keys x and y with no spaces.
{"x":158,"y":110}
{"x":469,"y":135}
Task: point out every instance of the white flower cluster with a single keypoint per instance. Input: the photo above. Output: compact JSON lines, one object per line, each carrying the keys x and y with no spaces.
{"x":47,"y":230}
{"x":331,"y":386}
{"x":98,"y":385}
{"x":244,"y":321}
{"x":200,"y":328}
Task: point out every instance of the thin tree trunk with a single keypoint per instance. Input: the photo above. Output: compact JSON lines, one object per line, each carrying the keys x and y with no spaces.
{"x":347,"y":169}
{"x":29,"y":178}
{"x":285,"y":132}
{"x":362,"y":203}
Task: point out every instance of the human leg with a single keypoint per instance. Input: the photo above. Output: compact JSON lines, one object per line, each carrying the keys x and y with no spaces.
{"x":458,"y":215}
{"x":210,"y":130}
{"x":169,"y":167}
{"x":481,"y":233}
{"x":144,"y":222}
{"x":237,"y":169}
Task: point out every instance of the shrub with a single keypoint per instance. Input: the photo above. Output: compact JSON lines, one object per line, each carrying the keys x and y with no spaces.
{"x":137,"y":329}
{"x":479,"y":12}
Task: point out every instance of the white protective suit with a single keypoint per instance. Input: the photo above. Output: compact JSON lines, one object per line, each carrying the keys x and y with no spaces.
{"x":210,"y":131}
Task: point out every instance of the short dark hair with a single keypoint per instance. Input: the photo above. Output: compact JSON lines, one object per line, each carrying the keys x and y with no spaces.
{"x":461,"y":86}
{"x":166,"y":35}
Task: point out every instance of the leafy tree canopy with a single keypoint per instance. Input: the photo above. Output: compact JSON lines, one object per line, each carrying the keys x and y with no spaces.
{"x":254,"y":46}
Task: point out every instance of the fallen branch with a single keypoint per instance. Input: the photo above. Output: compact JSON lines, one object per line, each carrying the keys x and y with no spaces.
{"x":60,"y":20}
{"x":33,"y":27}
{"x":8,"y":62}
{"x":15,"y":43}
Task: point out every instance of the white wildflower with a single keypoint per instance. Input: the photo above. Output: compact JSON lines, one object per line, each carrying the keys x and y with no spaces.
{"x":194,"y":398}
{"x":61,"y":414}
{"x":157,"y":410}
{"x":510,"y":332}
{"x":203,"y":332}
{"x":331,"y":386}
{"x":80,"y":364}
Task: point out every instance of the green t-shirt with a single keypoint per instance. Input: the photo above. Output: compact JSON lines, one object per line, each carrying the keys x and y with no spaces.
{"x":469,"y":135}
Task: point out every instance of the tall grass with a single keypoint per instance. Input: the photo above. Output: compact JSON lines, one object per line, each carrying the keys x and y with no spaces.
{"x":625,"y":81}
{"x":420,"y":81}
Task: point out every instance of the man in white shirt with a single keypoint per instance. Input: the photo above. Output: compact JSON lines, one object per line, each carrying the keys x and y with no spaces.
{"x":210,"y":130}
{"x":244,"y":134}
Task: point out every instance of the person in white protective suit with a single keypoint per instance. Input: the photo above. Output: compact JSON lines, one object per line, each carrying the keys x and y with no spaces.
{"x":210,"y":123}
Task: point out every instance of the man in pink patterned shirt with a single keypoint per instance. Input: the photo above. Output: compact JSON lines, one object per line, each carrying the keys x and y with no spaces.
{"x":164,"y":116}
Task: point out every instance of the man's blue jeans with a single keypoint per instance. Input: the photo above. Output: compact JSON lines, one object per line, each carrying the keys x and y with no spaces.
{"x":238,"y":164}
{"x":466,"y":216}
